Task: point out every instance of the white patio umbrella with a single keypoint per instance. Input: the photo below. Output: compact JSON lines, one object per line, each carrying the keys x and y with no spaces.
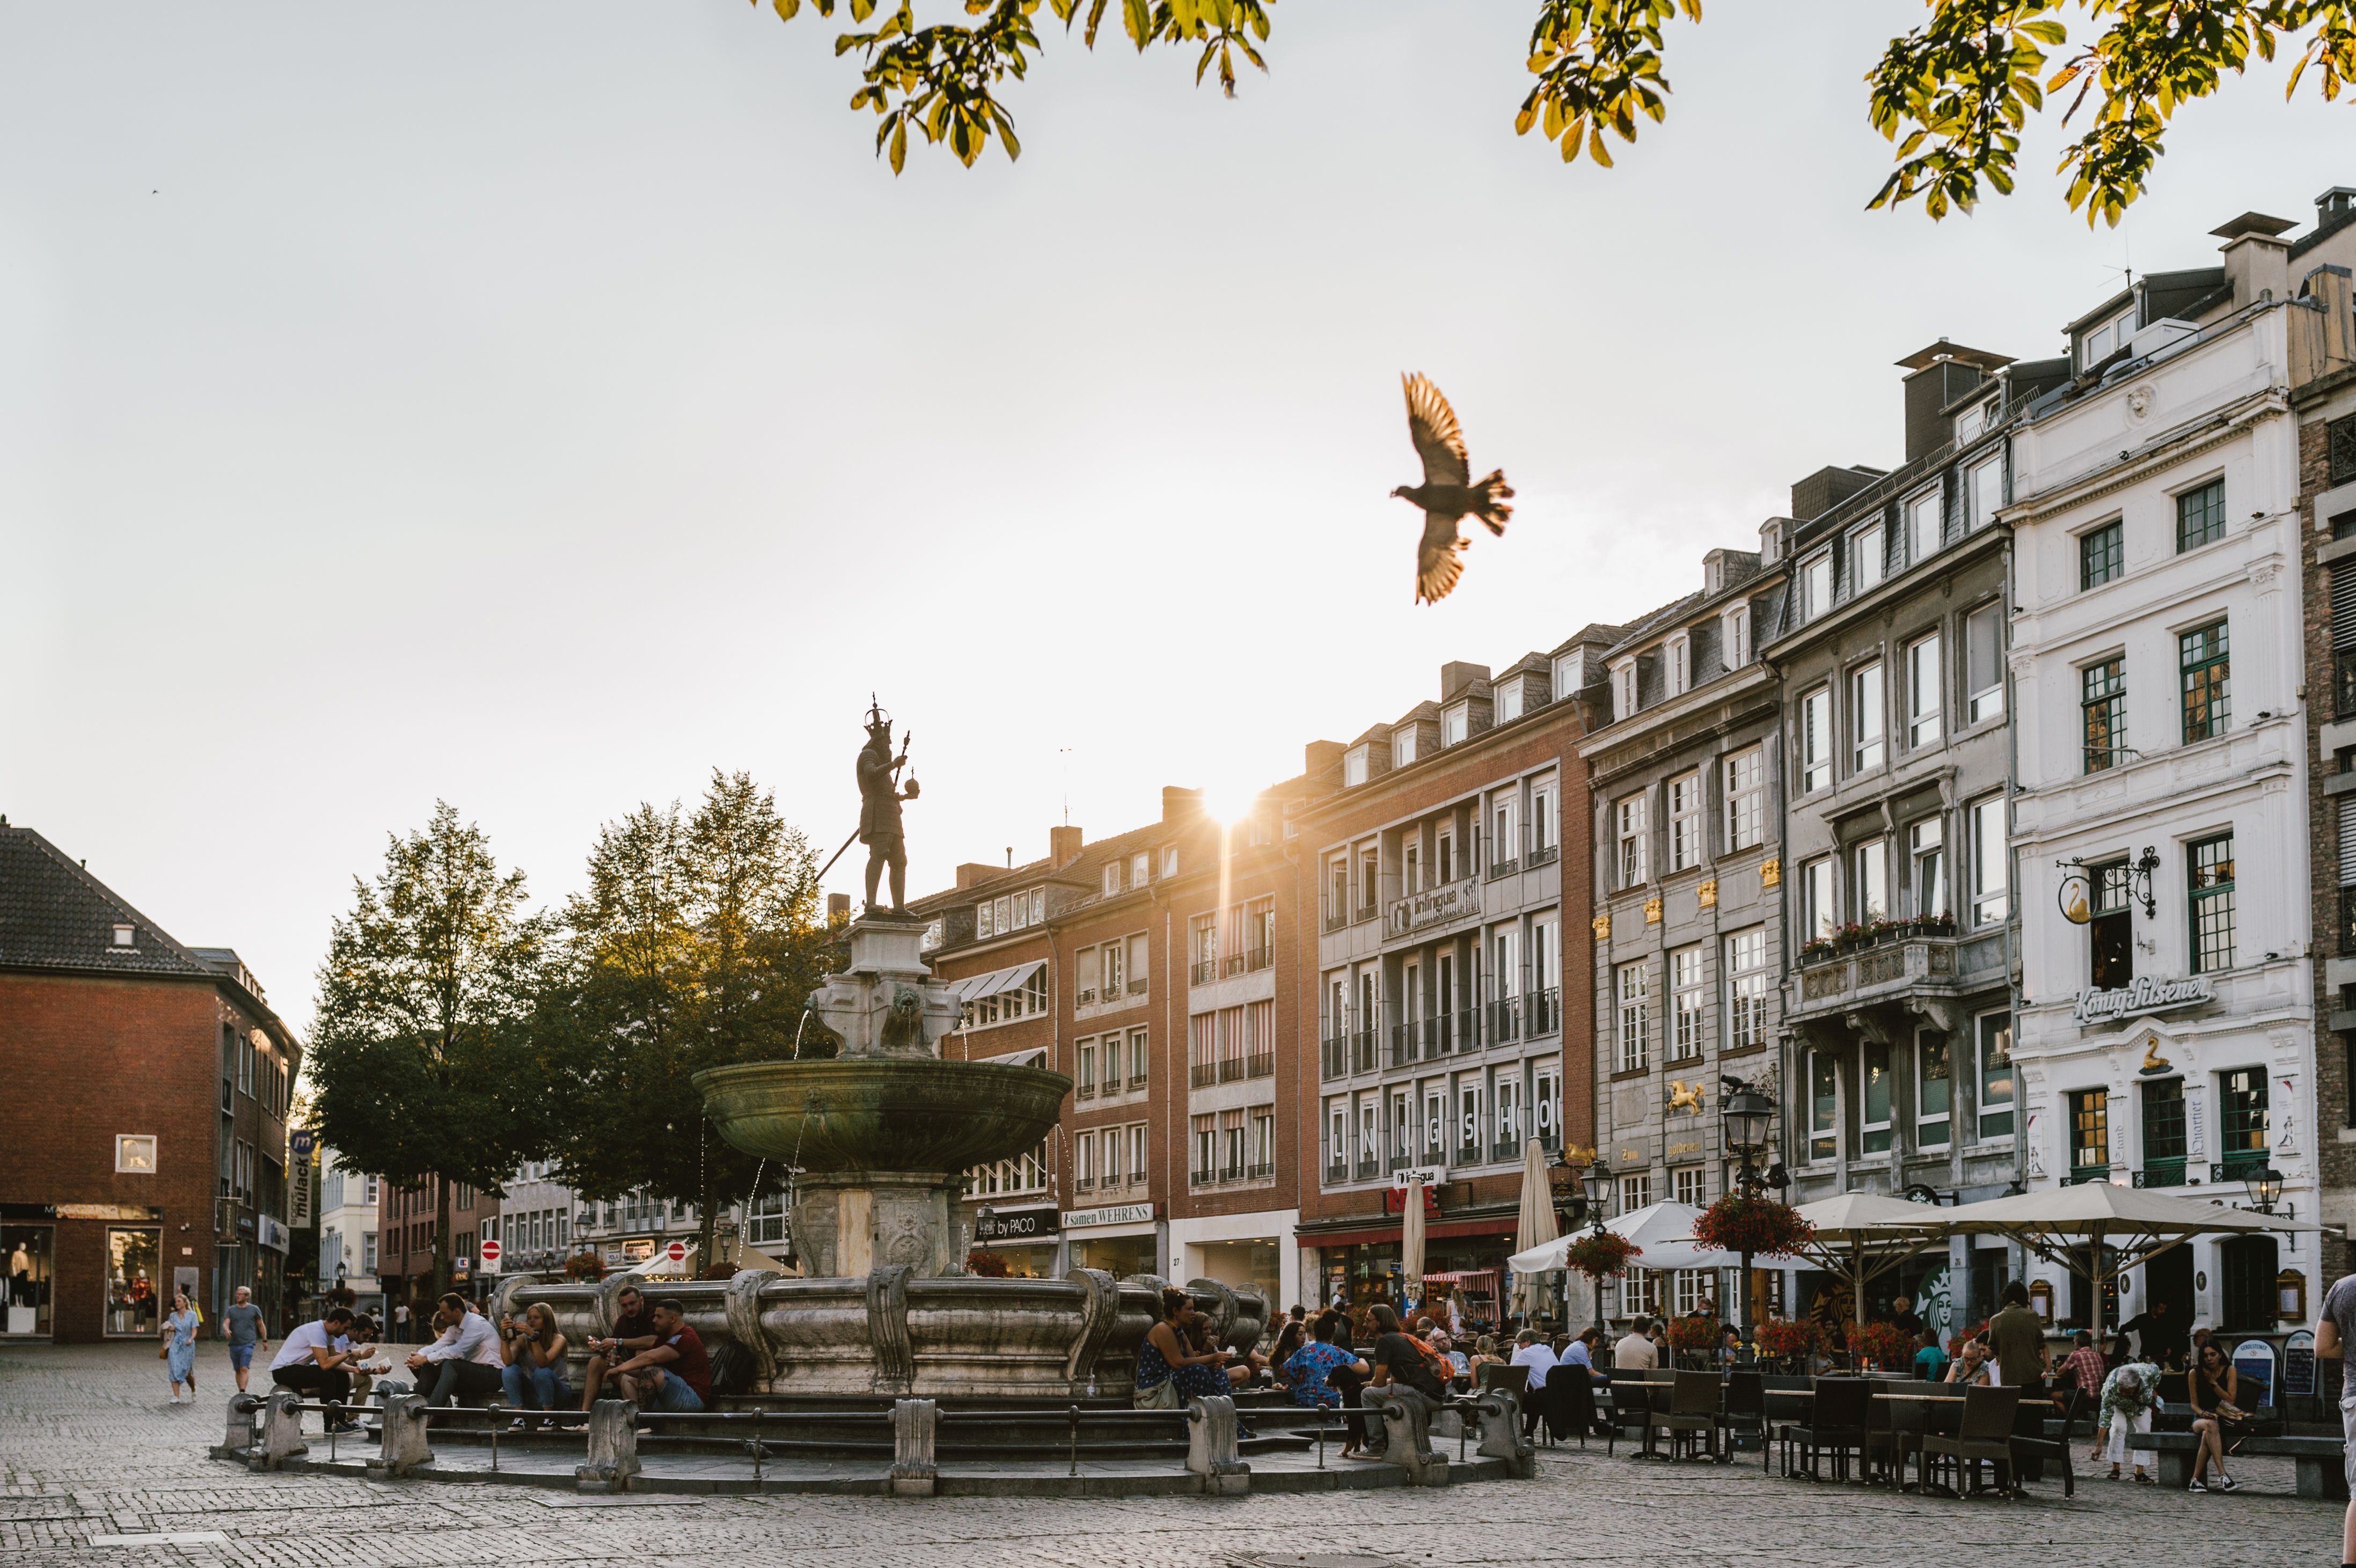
{"x":1664,"y":1231}
{"x":2073,"y":1226}
{"x":1411,"y":1244}
{"x":1859,"y":1236}
{"x":1535,"y":1227}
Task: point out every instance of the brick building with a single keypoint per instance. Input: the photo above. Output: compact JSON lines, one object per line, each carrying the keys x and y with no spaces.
{"x":405,"y":1220}
{"x":150,"y":1149}
{"x":1446,"y":891}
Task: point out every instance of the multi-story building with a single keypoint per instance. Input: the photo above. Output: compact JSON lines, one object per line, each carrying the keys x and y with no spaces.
{"x":1897,"y":1032}
{"x":406,"y":1220}
{"x":1445,"y":888}
{"x":155,"y":1156}
{"x":2321,"y":330}
{"x":349,"y":1201}
{"x":534,"y":1224}
{"x":1685,"y":769}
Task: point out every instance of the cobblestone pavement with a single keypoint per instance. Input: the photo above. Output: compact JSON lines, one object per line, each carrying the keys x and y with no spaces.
{"x":92,"y":1460}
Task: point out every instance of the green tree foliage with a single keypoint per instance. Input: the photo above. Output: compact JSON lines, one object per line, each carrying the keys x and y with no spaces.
{"x":1953,"y":93}
{"x":695,"y":945}
{"x":421,"y":1062}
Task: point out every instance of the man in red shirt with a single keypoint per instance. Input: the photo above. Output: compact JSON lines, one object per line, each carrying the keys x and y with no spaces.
{"x":2085,"y":1369}
{"x":673,"y":1373}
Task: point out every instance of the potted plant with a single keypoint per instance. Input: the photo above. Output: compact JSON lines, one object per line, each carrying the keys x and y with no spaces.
{"x":585,"y":1267}
{"x":1817,"y":949}
{"x":1788,"y":1342}
{"x":1601,"y":1253}
{"x":1760,"y":1226}
{"x":1879,"y":1346}
{"x":1694,"y":1340}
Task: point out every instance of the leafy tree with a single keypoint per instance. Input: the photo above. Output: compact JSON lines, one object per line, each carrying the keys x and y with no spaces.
{"x":420,"y":1063}
{"x":1953,"y":93}
{"x":694,"y":944}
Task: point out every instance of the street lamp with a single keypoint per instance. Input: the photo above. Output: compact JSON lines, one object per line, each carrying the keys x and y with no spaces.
{"x":2265,"y":1187}
{"x":1598,"y":1183}
{"x":1744,"y":1113}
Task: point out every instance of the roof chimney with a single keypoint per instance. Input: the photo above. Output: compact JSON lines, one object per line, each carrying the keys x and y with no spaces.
{"x":974,"y":872}
{"x":1178,"y":802}
{"x":837,"y":908}
{"x":1063,"y":846}
{"x":1320,"y":757}
{"x":1938,"y":376}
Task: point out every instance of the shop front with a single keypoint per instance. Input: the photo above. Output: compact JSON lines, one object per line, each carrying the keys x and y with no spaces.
{"x":30,"y":1252}
{"x":1358,"y":1267}
{"x":1014,"y":1244}
{"x":1123,"y":1239}
{"x":1254,"y":1248}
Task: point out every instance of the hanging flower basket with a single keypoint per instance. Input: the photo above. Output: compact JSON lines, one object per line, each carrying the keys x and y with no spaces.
{"x":585,"y":1265}
{"x":987,"y":1264}
{"x":1760,"y":1226}
{"x":1600,"y":1253}
{"x":1785,"y":1336}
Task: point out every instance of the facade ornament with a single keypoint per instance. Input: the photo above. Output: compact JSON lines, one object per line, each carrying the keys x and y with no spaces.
{"x":1602,"y":926}
{"x":1652,"y":910}
{"x":1771,"y":872}
{"x":1705,"y":895}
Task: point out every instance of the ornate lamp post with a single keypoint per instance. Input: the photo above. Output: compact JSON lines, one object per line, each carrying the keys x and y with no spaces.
{"x":1744,"y":1113}
{"x":1598,"y":1183}
{"x":2265,"y":1187}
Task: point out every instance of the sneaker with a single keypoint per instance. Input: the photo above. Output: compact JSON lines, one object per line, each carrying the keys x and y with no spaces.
{"x":2225,"y":1483}
{"x":2196,"y":1486}
{"x":344,"y":1428}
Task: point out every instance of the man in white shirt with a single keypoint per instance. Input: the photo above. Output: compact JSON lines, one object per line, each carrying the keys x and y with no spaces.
{"x":311,"y":1360}
{"x":1531,"y":1350}
{"x":1634,"y":1351}
{"x":463,"y":1362}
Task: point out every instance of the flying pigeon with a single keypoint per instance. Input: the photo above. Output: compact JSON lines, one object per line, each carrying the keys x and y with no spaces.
{"x":1445,"y":495}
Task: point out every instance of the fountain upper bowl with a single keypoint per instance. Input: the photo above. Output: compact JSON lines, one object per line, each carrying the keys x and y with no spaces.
{"x":871,"y":1113}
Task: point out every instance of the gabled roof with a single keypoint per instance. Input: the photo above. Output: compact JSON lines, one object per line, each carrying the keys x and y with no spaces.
{"x":56,"y":915}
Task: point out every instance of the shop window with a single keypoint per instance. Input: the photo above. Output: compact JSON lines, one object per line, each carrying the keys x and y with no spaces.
{"x":135,"y":1282}
{"x":1995,"y":1076}
{"x":1824,"y":1105}
{"x":28,"y":1252}
{"x":2090,"y":1135}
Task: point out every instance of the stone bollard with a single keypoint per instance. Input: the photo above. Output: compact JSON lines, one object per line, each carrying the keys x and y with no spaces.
{"x":1406,"y":1438}
{"x":237,"y":1440}
{"x":1501,"y":1433}
{"x":613,"y":1448}
{"x":1211,"y":1453}
{"x":282,"y":1431}
{"x":404,"y":1449}
{"x":915,"y":1468}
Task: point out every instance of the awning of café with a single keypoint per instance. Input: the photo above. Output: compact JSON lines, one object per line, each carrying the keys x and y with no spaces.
{"x":1859,"y":1236}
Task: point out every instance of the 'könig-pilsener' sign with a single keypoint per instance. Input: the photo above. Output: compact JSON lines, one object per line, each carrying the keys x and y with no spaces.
{"x":2145,"y":994}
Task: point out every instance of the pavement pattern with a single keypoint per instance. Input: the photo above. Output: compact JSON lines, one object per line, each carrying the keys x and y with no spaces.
{"x":95,"y":1466}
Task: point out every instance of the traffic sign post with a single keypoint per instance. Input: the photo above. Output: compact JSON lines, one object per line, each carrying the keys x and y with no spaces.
{"x":676,"y":1252}
{"x":490,"y":1254}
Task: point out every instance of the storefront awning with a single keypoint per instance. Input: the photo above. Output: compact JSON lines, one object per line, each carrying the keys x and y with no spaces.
{"x":974,"y":988}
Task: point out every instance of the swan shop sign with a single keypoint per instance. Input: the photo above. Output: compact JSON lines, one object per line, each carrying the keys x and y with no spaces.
{"x":2147,"y":994}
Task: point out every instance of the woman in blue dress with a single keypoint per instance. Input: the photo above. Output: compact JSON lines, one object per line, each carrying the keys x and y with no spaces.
{"x":1170,"y":1370}
{"x":180,"y":1345}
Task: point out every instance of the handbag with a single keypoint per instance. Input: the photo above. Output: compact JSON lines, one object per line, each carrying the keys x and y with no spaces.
{"x":1163,"y":1395}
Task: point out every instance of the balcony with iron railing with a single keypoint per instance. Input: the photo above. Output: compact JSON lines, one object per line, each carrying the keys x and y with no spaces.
{"x":1405,"y":1042}
{"x":1264,"y":1172}
{"x":1334,"y":1056}
{"x":1363,"y":1050}
{"x":1137,"y":1079}
{"x":1337,"y":1170}
{"x":1336,"y":919}
{"x":1201,"y":1178}
{"x":1505,"y":1020}
{"x":1469,"y":1152}
{"x":1203,"y":971}
{"x":1541,"y":852}
{"x":1369,"y":1168}
{"x":2161,"y":1172}
{"x":1084,"y":1089}
{"x":1231,"y":1069}
{"x":1202,"y":1074}
{"x":2239,"y":1165}
{"x":1542,"y":1012}
{"x":1258,"y":958}
{"x":1260,"y":1064}
{"x":1498,"y":868}
{"x":1508,"y":1146}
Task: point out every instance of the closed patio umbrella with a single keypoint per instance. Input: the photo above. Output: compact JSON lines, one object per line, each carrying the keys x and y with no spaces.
{"x":1534,"y":1228}
{"x":1411,"y":1243}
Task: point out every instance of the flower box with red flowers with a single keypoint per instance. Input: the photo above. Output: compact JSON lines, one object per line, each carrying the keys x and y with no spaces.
{"x":1760,"y":1226}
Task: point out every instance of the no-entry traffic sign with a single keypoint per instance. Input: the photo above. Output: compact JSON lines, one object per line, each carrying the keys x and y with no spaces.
{"x":491,"y":1250}
{"x":676,"y":1252}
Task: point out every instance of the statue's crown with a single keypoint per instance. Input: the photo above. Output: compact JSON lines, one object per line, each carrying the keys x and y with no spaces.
{"x":877,"y":719}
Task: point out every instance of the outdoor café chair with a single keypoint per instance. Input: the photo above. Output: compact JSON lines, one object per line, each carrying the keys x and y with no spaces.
{"x":1692,"y":1407}
{"x":1836,"y":1419}
{"x":1632,"y":1411}
{"x":1746,"y":1411}
{"x":1985,"y":1432}
{"x":1570,"y":1403}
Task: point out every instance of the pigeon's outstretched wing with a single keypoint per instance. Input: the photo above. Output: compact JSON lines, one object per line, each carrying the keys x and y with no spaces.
{"x":1431,"y":424}
{"x":1438,"y":559}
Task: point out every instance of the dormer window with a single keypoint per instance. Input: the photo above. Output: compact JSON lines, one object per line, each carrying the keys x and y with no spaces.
{"x":1455,"y":724}
{"x":1569,"y":674}
{"x":1676,"y":655}
{"x":1623,"y":688}
{"x":985,"y":919}
{"x":1403,"y":746}
{"x":1734,"y":636}
{"x":1354,"y":767}
{"x":1508,"y":702}
{"x":1869,"y":559}
{"x":1816,"y":587}
{"x":1112,"y":878}
{"x":1140,"y":867}
{"x":2105,"y":340}
{"x":124,"y":935}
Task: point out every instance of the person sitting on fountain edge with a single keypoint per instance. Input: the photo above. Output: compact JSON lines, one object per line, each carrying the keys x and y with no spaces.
{"x":1171,"y":1369}
{"x":634,"y":1331}
{"x":673,"y":1373}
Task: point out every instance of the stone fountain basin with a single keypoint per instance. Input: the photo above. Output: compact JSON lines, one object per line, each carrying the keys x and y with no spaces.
{"x":846,"y":1114}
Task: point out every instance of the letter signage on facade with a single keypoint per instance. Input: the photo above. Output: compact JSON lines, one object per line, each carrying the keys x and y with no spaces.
{"x":2147,"y":994}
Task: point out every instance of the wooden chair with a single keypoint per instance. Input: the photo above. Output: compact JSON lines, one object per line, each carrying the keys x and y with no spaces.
{"x":1985,"y":1432}
{"x":1836,"y":1422}
{"x":1692,"y":1407}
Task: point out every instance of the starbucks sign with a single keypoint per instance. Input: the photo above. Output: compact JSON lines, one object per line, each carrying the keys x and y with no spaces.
{"x":2147,"y":994}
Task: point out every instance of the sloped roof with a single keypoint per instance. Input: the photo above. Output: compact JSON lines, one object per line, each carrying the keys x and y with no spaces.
{"x":56,"y":915}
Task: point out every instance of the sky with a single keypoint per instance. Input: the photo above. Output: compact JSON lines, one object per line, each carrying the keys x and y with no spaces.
{"x":537,"y":406}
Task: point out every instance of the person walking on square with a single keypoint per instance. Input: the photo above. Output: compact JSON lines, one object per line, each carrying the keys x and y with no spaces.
{"x":246,"y":1332}
{"x":179,"y":1347}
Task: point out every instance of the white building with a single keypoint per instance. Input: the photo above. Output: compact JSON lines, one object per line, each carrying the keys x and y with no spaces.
{"x":347,"y":1210}
{"x":534,"y":1224}
{"x":2165,"y":1028}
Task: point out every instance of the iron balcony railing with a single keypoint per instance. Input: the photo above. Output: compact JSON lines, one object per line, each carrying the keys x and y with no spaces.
{"x":1404,"y":1043}
{"x":1137,"y":1079}
{"x":1541,"y":855}
{"x":1400,"y":1159}
{"x":1335,"y":1056}
{"x":1337,"y":1170}
{"x":1468,"y":1028}
{"x":1203,"y":972}
{"x":1468,"y":1151}
{"x":2239,"y":1165}
{"x":1503,"y":868}
{"x":1365,"y":912}
{"x":1202,"y":1074}
{"x":1507,"y":1148}
{"x":1260,"y":958}
{"x":1505,"y":1020}
{"x":1231,"y":1069}
{"x":1542,"y":1011}
{"x":1260,"y":1064}
{"x":1202,"y":1177}
{"x":2161,"y":1173}
{"x":1369,"y":1168}
{"x":1263,"y":1171}
{"x":1336,"y":919}
{"x":2348,"y":922}
{"x":1083,"y":1091}
{"x":1362,"y":1050}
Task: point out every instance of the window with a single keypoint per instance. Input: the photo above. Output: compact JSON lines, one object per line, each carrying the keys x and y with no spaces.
{"x":1816,"y":910}
{"x":1116,"y":979}
{"x":1636,"y":1192}
{"x":1873,"y":1098}
{"x":2103,"y":713}
{"x":1546,"y":1105}
{"x":2101,"y":555}
{"x":1688,"y":1183}
{"x":1505,"y":833}
{"x":1926,"y":855}
{"x":1995,"y":1075}
{"x":1354,"y":771}
{"x":1508,"y":1097}
{"x":1746,"y":988}
{"x":1824,"y":1105}
{"x":1039,"y":895}
{"x":1632,"y":834}
{"x":134,"y":1153}
{"x":2203,"y":658}
{"x":1444,"y":858}
{"x":1923,"y":527}
{"x":1816,"y":587}
{"x":2201,"y":516}
{"x":1435,"y":1121}
{"x":1140,"y":867}
{"x":1984,"y":664}
{"x":1734,"y":637}
{"x":1542,"y":821}
{"x":1455,"y":724}
{"x":1685,"y":1003}
{"x":1869,"y":882}
{"x":2242,"y":1101}
{"x":1934,"y":1090}
{"x":1983,"y":488}
{"x":1865,"y":718}
{"x":2105,"y":340}
{"x":1468,"y":1121}
{"x":1991,"y":882}
{"x":1815,"y":741}
{"x":368,"y":1251}
{"x":1112,"y":878}
{"x":1746,"y":802}
{"x":1086,"y":1079}
{"x":1684,"y":821}
{"x":2209,"y":868}
{"x":1337,"y":1156}
{"x":2110,"y":927}
{"x":1207,"y":1149}
{"x":2090,"y":1135}
{"x":1506,"y":704}
{"x":1869,"y":559}
{"x":1337,"y":899}
{"x":1138,"y":1058}
{"x":1263,"y":1143}
{"x":1923,"y":693}
{"x":1631,"y":983}
{"x":2164,"y":1145}
{"x":1676,"y":657}
{"x":1569,"y":674}
{"x":1623,"y":688}
{"x":124,"y":935}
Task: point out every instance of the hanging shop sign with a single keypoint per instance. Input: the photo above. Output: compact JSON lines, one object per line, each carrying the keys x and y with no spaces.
{"x":2147,"y":994}
{"x":1111,"y":1214}
{"x":1016,"y":1224}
